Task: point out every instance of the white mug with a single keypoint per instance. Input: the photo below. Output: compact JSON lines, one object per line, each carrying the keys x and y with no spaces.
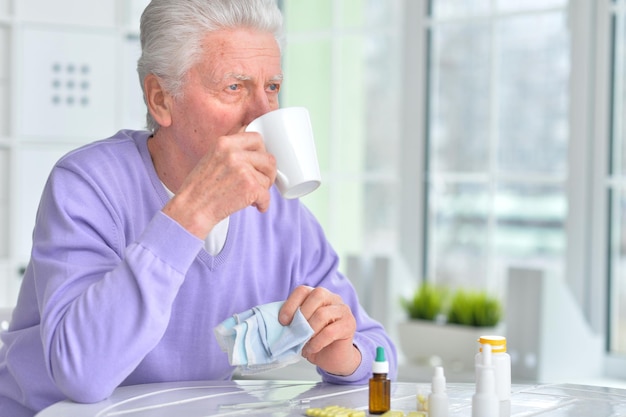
{"x":288,"y":135}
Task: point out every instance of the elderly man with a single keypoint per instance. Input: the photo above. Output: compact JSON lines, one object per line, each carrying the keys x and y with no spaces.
{"x":145,"y":241}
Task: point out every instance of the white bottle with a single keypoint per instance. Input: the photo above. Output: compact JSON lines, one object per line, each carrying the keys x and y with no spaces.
{"x":501,"y":363}
{"x":438,"y":398}
{"x":485,"y":401}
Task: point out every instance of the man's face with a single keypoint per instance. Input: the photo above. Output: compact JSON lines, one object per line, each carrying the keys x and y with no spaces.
{"x":236,"y":80}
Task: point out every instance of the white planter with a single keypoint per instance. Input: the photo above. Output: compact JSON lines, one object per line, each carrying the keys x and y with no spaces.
{"x":450,"y":345}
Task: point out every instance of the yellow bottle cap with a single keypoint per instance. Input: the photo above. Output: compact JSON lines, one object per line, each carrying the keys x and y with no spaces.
{"x":498,"y":343}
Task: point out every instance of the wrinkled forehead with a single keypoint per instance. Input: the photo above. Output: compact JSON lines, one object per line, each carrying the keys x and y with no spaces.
{"x":241,"y":54}
{"x":240,"y":42}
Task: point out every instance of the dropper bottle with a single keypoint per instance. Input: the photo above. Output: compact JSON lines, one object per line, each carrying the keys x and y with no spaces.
{"x":379,"y":384}
{"x":438,"y":398}
{"x":485,"y":401}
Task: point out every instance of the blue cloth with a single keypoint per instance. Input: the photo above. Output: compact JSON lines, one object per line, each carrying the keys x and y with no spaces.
{"x":256,"y":342}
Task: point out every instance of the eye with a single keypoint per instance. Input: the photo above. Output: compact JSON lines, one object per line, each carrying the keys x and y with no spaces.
{"x":274,"y":87}
{"x":233,"y":87}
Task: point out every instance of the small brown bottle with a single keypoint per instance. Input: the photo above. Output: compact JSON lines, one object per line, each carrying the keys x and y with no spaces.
{"x":380,"y":386}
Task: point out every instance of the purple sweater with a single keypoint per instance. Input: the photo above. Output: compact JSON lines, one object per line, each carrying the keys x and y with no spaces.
{"x":117,"y":293}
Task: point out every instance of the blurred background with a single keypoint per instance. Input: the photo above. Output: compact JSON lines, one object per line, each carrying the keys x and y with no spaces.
{"x":474,"y":144}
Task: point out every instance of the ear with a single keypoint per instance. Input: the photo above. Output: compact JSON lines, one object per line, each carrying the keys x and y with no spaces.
{"x":157,"y":100}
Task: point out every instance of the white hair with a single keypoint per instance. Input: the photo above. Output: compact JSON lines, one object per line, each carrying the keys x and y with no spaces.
{"x":172,"y":32}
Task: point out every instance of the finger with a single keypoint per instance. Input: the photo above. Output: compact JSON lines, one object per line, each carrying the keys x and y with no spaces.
{"x":253,"y":141}
{"x":331,"y":323}
{"x":265,"y":165}
{"x":295,"y":300}
{"x":339,"y":358}
{"x":318,"y":298}
{"x":327,"y":337}
{"x":263,"y":171}
{"x":263,"y":178}
{"x":257,"y":155}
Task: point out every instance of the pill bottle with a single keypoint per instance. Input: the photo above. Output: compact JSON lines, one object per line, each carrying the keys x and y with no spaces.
{"x":501,"y":364}
{"x":379,"y":384}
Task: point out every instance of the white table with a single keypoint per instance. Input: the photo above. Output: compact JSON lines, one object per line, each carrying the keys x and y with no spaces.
{"x":292,"y":398}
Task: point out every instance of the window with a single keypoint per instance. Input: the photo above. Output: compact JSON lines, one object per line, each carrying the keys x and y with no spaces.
{"x":342,"y":62}
{"x":466,"y":137}
{"x":497,"y":139}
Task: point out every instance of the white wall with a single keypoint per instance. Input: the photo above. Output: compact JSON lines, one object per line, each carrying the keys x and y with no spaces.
{"x":67,"y":77}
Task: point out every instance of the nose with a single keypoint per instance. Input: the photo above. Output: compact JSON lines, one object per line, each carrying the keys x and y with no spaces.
{"x":258,"y":105}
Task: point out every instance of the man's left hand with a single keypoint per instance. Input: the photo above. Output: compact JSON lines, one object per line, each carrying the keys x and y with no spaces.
{"x":331,"y":346}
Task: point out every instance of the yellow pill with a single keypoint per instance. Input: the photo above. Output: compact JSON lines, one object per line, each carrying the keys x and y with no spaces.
{"x":328,"y":411}
{"x":338,"y":411}
{"x":393,"y":413}
{"x":416,"y":414}
{"x":356,"y":413}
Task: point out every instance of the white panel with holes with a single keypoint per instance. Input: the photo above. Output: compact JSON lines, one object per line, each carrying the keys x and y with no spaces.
{"x":92,"y":13}
{"x":67,"y":84}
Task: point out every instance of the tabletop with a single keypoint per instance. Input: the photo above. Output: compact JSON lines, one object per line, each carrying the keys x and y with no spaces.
{"x":293,"y":398}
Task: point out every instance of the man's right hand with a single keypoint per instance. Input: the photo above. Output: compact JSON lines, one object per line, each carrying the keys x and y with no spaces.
{"x":236,"y":173}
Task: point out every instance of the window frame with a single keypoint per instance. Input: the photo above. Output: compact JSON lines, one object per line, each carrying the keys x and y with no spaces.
{"x":413,"y":162}
{"x":587,"y":221}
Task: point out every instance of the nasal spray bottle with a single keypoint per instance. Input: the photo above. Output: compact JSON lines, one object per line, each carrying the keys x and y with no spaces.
{"x":380,"y":385}
{"x":485,"y":401}
{"x":438,"y":398}
{"x":501,"y":363}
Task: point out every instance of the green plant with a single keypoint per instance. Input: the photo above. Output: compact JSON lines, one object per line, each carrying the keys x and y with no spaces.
{"x":427,"y":302}
{"x":474,"y":308}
